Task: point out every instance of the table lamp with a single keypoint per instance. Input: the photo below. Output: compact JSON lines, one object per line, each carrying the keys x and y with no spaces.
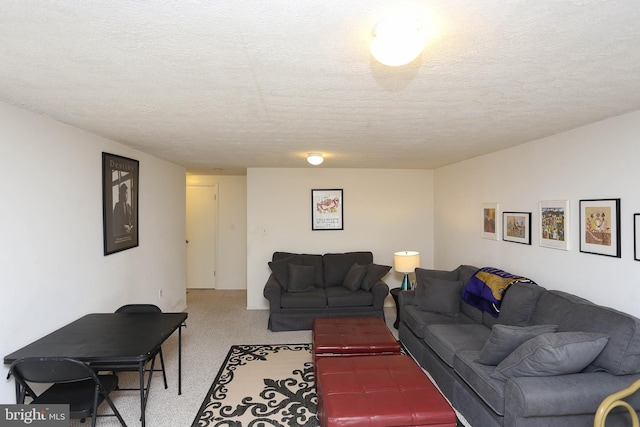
{"x":406,"y":262}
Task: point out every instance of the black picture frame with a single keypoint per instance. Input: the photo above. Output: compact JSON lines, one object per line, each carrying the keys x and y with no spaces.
{"x":120,"y":183}
{"x":327,"y":210}
{"x":516,"y":227}
{"x":600,"y":227}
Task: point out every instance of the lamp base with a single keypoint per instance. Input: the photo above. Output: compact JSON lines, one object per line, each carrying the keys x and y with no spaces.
{"x":406,"y":286}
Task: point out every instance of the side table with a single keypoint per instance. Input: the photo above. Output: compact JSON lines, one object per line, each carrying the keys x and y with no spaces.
{"x":394,"y":293}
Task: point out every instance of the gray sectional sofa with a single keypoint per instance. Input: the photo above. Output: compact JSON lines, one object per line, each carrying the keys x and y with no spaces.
{"x":548,"y":359}
{"x":302,"y":287}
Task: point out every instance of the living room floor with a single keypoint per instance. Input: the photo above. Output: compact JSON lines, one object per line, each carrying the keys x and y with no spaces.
{"x":217,"y":320}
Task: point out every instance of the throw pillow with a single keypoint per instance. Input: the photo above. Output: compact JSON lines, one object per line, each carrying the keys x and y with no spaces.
{"x":353,"y":279}
{"x":505,"y":339}
{"x":375,"y":272}
{"x":439,"y":296}
{"x":280,"y":269}
{"x":302,"y":278}
{"x":552,"y":354}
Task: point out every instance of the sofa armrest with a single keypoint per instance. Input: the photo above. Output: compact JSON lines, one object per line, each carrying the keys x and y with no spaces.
{"x":404,"y":298}
{"x":272,"y":292}
{"x":561,"y":395}
{"x":380,"y":291}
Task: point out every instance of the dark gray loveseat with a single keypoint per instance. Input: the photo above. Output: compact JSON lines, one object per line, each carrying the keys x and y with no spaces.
{"x":539,"y":383}
{"x":302,"y":287}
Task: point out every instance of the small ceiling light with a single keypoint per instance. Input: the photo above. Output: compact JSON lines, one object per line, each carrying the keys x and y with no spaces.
{"x":315,"y":158}
{"x":397,"y":41}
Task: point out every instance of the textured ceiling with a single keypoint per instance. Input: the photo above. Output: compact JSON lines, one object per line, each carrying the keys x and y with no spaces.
{"x":251,"y":83}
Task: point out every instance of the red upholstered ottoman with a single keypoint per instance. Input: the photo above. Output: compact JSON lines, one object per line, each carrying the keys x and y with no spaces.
{"x":352,"y":336}
{"x":389,"y":390}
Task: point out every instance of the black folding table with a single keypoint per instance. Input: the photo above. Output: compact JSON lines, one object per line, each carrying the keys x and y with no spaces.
{"x":129,"y":339}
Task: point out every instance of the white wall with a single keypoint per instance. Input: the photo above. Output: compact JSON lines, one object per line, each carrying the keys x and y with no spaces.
{"x":384,"y":211}
{"x":232,"y":228}
{"x":51,"y":250}
{"x":596,"y":161}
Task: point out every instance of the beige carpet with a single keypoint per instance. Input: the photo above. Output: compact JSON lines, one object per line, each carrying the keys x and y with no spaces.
{"x":217,"y":320}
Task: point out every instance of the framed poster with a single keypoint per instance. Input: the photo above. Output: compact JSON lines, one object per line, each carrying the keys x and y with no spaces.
{"x":327,"y":210}
{"x":491,"y":221}
{"x":636,"y":237}
{"x":120,"y":177}
{"x":600,"y":227}
{"x":554,"y":224}
{"x":516,"y":227}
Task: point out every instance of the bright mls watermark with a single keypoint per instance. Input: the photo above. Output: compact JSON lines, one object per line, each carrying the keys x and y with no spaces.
{"x":34,"y":415}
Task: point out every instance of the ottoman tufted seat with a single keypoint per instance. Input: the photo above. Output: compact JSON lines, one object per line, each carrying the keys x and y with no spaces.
{"x":390,"y":390}
{"x":352,"y":336}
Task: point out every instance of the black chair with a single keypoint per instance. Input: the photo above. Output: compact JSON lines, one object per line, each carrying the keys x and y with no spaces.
{"x":115,"y":367}
{"x":73,"y":383}
{"x":148,"y":308}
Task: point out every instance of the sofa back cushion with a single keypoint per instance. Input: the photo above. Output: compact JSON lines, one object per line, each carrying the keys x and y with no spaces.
{"x":518,"y":305}
{"x":299,"y":259}
{"x":336,"y":266}
{"x":621,"y":355}
{"x":464,"y":273}
{"x":461,"y":274}
{"x":437,"y":295}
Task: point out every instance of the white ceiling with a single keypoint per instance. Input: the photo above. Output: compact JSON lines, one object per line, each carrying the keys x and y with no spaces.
{"x":212,"y":84}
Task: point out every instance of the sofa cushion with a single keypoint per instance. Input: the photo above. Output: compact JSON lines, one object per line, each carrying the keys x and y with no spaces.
{"x":438,"y":295}
{"x":518,"y":305}
{"x":302,"y":278}
{"x":343,"y":297}
{"x":621,"y":355}
{"x":336,"y":266}
{"x":315,"y":298}
{"x":375,"y":272}
{"x":552,"y":354}
{"x":505,"y":339}
{"x":447,"y":340}
{"x":305,"y":259}
{"x":418,"y":320}
{"x":353,"y":279}
{"x":478,"y":377}
{"x":280,"y":269}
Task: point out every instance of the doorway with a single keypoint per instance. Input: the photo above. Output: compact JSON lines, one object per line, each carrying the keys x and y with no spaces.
{"x":202,"y":236}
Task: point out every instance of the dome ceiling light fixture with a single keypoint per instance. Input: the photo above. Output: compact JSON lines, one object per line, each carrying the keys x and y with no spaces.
{"x":397,"y":40}
{"x":315,"y":158}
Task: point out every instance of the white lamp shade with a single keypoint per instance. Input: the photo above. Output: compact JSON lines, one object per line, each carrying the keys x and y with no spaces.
{"x":315,"y":158}
{"x":406,"y":261}
{"x":397,"y":41}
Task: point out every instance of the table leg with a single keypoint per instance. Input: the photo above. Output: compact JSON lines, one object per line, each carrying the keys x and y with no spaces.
{"x":180,"y":360}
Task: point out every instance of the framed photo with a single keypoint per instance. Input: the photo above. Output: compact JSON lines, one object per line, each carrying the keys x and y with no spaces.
{"x":516,"y":227}
{"x":327,"y":209}
{"x":600,"y":227}
{"x":120,"y":177}
{"x":491,"y":221}
{"x":554,"y":224}
{"x":636,"y":237}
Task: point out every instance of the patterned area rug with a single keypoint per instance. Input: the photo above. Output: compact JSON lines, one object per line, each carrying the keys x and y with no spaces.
{"x":262,"y":385}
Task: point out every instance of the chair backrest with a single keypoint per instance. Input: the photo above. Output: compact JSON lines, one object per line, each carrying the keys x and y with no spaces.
{"x":139,"y":308}
{"x":50,"y":370}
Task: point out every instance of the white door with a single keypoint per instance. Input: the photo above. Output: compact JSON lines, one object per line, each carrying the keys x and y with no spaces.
{"x":202,"y":226}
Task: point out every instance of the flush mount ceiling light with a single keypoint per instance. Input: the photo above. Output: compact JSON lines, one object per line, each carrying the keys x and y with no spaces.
{"x":315,"y":158}
{"x":397,"y":40}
